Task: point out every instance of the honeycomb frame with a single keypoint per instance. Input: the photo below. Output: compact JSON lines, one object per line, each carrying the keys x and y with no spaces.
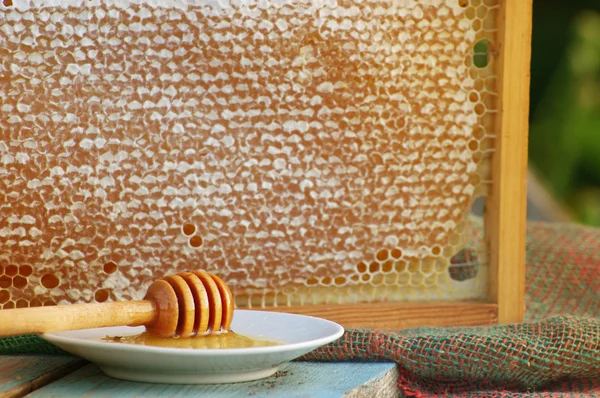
{"x":79,"y":225}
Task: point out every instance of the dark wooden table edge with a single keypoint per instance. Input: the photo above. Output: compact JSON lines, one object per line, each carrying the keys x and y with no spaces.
{"x":43,"y":380}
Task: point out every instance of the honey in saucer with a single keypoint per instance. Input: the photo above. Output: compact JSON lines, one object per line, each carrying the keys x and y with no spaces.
{"x":212,"y":341}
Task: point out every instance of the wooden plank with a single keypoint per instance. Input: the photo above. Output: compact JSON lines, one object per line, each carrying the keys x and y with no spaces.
{"x":401,"y":315}
{"x":19,"y":375}
{"x":506,"y":215}
{"x":379,"y":387}
{"x":296,"y":379}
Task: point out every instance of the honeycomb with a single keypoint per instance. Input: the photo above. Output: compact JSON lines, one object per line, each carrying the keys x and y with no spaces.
{"x":322,"y":151}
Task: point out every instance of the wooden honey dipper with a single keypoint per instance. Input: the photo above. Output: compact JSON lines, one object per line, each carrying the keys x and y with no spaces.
{"x":183,"y":305}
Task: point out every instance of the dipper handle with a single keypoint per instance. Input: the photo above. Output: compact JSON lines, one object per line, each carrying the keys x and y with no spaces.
{"x":39,"y":320}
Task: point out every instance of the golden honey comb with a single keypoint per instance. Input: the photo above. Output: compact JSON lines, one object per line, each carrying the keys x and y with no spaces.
{"x":306,"y":151}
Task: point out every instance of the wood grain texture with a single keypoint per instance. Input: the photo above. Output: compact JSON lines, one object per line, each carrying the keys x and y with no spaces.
{"x":401,"y":315}
{"x":37,"y":320}
{"x":294,"y":380}
{"x":507,"y":204}
{"x":385,"y":386}
{"x":20,"y":375}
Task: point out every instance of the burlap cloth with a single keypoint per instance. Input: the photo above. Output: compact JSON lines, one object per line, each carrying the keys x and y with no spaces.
{"x":555,"y":352}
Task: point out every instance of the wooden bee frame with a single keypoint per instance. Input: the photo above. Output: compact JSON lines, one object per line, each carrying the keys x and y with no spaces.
{"x":124,"y":162}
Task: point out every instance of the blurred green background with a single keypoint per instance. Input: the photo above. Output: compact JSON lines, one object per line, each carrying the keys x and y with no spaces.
{"x":564,"y":140}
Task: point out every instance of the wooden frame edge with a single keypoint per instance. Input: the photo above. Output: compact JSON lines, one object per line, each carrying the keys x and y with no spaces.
{"x":396,"y":316}
{"x":506,"y":213}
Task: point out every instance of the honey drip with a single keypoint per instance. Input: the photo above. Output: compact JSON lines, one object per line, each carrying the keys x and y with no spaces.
{"x":212,"y":341}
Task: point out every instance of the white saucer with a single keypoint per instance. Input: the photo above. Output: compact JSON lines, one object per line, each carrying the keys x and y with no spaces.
{"x":300,"y":334}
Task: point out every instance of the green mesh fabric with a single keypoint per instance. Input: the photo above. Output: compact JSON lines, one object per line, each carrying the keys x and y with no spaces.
{"x":27,"y":344}
{"x":555,"y":352}
{"x":469,"y":361}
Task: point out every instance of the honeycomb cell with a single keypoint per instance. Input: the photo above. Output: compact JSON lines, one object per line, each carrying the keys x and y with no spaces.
{"x":451,"y":250}
{"x":49,"y":303}
{"x":326,"y":281}
{"x":11,"y":270}
{"x":475,"y":179}
{"x":470,"y":13}
{"x":390,"y":279}
{"x":374,"y":267}
{"x":455,"y":239}
{"x":430,"y":280}
{"x":403,"y":279}
{"x":387,"y":267}
{"x":489,"y":102}
{"x":415,"y":280}
{"x":340,"y":281}
{"x":101,"y":295}
{"x":4,"y":296}
{"x":480,"y":109}
{"x":8,"y":305}
{"x":440,"y":266}
{"x":361,"y":268}
{"x":382,"y":255}
{"x":25,"y":270}
{"x":481,"y":13}
{"x":5,"y":282}
{"x":189,"y":229}
{"x":50,"y":281}
{"x":479,"y":133}
{"x":7,"y":3}
{"x":21,"y":303}
{"x":427,"y":266}
{"x":196,"y":241}
{"x":401,"y":266}
{"x":396,"y":253}
{"x":312,"y":281}
{"x":110,"y":267}
{"x":19,"y":282}
{"x":35,"y":303}
{"x":377,"y":279}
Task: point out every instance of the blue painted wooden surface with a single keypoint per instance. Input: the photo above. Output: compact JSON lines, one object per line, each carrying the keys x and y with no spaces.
{"x":20,"y":374}
{"x":295,"y":380}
